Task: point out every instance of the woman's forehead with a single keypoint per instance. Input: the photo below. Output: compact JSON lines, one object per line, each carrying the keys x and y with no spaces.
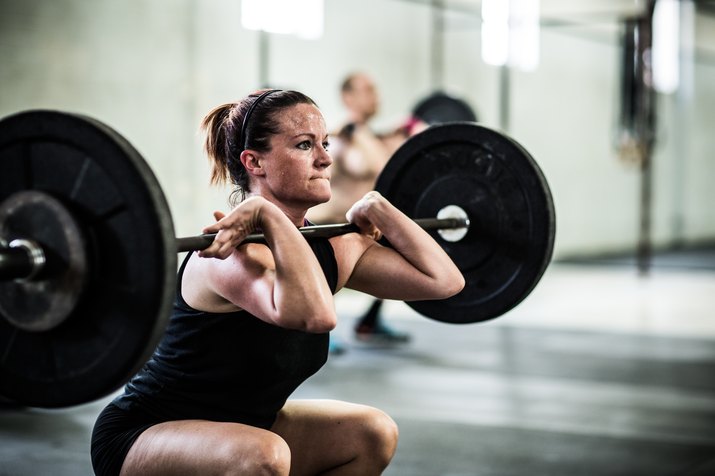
{"x":302,"y":118}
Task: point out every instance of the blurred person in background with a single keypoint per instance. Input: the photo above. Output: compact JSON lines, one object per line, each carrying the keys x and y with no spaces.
{"x":359,"y":155}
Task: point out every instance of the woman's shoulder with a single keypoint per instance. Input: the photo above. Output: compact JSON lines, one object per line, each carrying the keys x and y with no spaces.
{"x":348,"y":249}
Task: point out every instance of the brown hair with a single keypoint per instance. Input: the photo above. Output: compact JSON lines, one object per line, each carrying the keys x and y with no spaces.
{"x":347,"y":84}
{"x":229,"y":132}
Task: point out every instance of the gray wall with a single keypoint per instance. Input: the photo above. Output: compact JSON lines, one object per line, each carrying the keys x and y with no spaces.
{"x":153,"y":68}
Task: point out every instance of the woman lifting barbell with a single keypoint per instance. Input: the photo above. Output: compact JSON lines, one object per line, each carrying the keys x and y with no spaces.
{"x":250,"y":323}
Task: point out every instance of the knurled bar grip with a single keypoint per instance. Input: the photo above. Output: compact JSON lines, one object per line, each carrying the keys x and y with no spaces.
{"x":200,"y":242}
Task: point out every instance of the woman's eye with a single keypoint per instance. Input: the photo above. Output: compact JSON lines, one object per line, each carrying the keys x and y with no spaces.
{"x":305,"y":145}
{"x":326,"y":145}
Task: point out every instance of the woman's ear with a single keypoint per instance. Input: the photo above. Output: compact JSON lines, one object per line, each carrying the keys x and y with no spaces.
{"x":253,"y":162}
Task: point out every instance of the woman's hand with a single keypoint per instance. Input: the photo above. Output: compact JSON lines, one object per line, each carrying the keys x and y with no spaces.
{"x":358,"y":214}
{"x":414,"y":267}
{"x":233,"y":228}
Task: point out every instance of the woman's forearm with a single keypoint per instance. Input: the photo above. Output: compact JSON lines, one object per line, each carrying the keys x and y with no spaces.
{"x":301,"y":296}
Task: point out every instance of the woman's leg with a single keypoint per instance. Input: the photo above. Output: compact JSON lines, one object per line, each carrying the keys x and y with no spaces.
{"x":207,"y":448}
{"x":336,"y":438}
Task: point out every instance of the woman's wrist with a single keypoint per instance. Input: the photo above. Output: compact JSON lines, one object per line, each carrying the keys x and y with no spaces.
{"x":375,"y":201}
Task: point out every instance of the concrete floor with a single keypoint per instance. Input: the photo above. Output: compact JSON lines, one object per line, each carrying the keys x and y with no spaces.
{"x":598,"y":372}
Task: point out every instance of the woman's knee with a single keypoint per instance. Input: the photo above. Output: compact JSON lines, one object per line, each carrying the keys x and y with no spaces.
{"x":270,"y":456}
{"x":381,"y":435}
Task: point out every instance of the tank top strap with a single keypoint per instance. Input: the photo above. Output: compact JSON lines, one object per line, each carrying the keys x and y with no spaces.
{"x":179,"y":279}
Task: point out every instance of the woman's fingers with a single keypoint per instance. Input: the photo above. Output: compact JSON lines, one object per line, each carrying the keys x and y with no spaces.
{"x":357,"y":216}
{"x":222,"y":222}
{"x":230,"y":231}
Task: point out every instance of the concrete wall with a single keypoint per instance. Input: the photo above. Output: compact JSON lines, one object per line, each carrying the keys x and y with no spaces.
{"x":152,"y":69}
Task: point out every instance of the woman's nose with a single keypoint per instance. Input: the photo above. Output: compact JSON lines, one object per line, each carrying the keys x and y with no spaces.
{"x":324,"y":158}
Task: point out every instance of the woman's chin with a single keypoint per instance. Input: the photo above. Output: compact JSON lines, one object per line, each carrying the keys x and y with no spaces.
{"x":323,"y":195}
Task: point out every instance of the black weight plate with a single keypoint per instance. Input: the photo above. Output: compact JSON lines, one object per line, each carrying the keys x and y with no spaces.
{"x":440,"y":107}
{"x":114,"y":196}
{"x":507,"y":199}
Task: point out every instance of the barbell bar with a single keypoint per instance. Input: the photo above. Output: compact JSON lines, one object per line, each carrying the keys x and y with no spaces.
{"x":24,"y":259}
{"x":200,"y":242}
{"x":88,"y":255}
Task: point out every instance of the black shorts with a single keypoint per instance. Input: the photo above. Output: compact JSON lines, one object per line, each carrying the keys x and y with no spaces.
{"x":115,"y":431}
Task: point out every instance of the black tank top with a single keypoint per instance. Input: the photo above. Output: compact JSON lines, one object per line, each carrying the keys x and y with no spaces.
{"x":227,"y":366}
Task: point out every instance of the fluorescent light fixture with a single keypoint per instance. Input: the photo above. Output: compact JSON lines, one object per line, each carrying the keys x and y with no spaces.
{"x":510,"y":33}
{"x":302,"y":18}
{"x":495,"y":43}
{"x":495,"y":32}
{"x":524,"y":45}
{"x":666,"y":45}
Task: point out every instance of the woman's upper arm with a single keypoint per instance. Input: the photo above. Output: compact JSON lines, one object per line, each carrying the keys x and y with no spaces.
{"x":247,"y":280}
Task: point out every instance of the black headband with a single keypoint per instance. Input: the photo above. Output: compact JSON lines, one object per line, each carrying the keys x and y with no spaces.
{"x":248,"y":115}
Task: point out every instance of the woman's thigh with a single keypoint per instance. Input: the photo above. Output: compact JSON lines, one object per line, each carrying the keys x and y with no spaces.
{"x":203,"y":448}
{"x":334,"y":437}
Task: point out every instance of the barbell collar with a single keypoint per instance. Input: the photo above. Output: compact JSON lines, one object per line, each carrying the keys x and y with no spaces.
{"x":200,"y":242}
{"x":21,"y":259}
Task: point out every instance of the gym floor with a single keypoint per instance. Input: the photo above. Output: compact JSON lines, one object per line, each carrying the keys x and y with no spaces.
{"x":598,"y":372}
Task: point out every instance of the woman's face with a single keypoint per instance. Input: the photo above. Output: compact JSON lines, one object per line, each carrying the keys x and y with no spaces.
{"x":297,"y":166}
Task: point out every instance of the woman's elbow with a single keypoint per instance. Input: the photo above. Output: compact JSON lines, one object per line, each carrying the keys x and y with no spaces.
{"x":452,"y":285}
{"x":321,"y":323}
{"x":315,"y":321}
{"x":459,"y":284}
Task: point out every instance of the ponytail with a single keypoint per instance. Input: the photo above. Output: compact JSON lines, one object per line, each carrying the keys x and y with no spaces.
{"x":219,"y":127}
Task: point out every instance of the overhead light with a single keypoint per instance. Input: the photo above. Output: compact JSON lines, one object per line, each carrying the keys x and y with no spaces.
{"x":302,"y":18}
{"x":510,"y":33}
{"x":495,"y":32}
{"x":666,"y":45}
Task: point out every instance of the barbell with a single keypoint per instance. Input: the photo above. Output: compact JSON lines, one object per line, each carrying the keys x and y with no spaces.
{"x":88,"y":255}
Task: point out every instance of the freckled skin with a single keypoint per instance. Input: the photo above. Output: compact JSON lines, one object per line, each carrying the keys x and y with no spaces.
{"x":297,"y":170}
